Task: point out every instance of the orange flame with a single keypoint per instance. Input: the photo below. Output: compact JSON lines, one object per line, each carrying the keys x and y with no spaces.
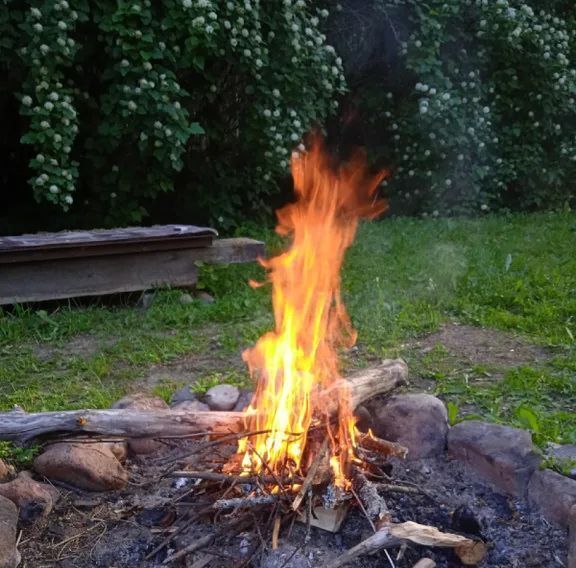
{"x":301,"y":354}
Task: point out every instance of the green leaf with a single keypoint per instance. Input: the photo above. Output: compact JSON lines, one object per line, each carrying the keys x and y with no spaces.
{"x":528,"y":419}
{"x":195,"y":128}
{"x":453,"y":412}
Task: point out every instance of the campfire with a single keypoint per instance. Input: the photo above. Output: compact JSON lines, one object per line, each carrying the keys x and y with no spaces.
{"x":300,"y":455}
{"x":295,"y":456}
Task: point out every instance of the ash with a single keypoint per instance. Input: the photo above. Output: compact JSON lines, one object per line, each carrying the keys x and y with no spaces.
{"x":120,"y":531}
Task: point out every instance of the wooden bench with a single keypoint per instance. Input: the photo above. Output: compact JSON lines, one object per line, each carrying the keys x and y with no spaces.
{"x":53,"y":266}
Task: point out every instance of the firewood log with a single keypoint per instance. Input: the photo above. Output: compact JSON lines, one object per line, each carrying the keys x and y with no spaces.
{"x":20,"y":426}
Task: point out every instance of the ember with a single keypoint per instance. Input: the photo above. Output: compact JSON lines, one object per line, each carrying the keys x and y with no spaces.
{"x":300,"y":357}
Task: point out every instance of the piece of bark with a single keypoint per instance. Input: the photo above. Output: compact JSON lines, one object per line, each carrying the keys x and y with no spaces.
{"x":397,"y":534}
{"x":21,"y":426}
{"x":374,"y":504}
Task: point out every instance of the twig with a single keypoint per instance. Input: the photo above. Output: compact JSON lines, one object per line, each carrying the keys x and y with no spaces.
{"x":192,"y":547}
{"x":245,"y":502}
{"x":310,"y":475}
{"x":214,"y":476}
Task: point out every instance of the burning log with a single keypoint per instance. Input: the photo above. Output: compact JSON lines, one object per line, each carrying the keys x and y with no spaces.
{"x":20,"y":426}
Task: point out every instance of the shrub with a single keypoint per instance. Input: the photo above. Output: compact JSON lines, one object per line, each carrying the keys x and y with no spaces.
{"x":482,"y":114}
{"x":125,"y":100}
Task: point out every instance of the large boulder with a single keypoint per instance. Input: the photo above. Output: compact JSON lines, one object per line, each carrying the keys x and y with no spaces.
{"x":503,"y":455}
{"x":222,"y":397}
{"x":94,"y":467}
{"x":417,"y":421}
{"x":9,"y":555}
{"x":554,"y":494}
{"x":34,"y":500}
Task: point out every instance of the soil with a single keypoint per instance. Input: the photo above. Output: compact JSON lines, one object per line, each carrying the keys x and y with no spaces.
{"x":481,"y":346}
{"x":118,"y":530}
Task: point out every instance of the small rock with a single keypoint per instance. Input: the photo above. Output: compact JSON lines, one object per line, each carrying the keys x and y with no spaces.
{"x":142,"y":401}
{"x":205,"y":298}
{"x":88,"y":466}
{"x":417,"y":421}
{"x":244,"y":400}
{"x":186,"y":299}
{"x":503,"y":455}
{"x":185,"y":393}
{"x":565,"y":456}
{"x":222,"y":397}
{"x":35,"y":500}
{"x":7,"y":472}
{"x":9,"y":555}
{"x":191,"y":405}
{"x":120,"y":450}
{"x":554,"y":494}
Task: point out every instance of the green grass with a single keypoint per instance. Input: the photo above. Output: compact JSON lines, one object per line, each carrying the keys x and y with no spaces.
{"x":402,"y":279}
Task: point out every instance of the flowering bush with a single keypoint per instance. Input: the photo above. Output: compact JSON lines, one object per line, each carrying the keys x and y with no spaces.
{"x":127,"y":99}
{"x":484,"y":118}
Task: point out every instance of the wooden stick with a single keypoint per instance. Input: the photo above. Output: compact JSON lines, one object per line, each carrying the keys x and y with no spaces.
{"x":192,"y":547}
{"x":245,"y":502}
{"x":310,"y":475}
{"x":128,"y":423}
{"x":374,"y":504}
{"x":224,"y":478}
{"x":397,"y":534}
{"x":380,"y":446}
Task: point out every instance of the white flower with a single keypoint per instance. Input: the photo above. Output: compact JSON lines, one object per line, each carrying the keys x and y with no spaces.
{"x":484,"y":207}
{"x":187,"y":3}
{"x":213,"y":16}
{"x":448,"y":182}
{"x":143,"y":136}
{"x":69,"y":199}
{"x":27,"y":101}
{"x":267,"y":113}
{"x":209,"y":29}
{"x":147,"y":66}
{"x":418,"y":43}
{"x":48,"y":105}
{"x":276,"y":113}
{"x":44,"y":49}
{"x":276,"y":93}
{"x":57,"y":138}
{"x":245,"y":32}
{"x":35,"y":13}
{"x":54,"y":189}
{"x":294,"y":137}
{"x":247,"y":53}
{"x":124,"y":63}
{"x":132,"y":105}
{"x":62,"y":25}
{"x":45,"y":124}
{"x":157,"y":124}
{"x":213,"y":88}
{"x":233,"y":42}
{"x":199,"y":21}
{"x":40,"y":180}
{"x":432,"y":91}
{"x":37,"y":27}
{"x":446,"y":97}
{"x":168,"y":132}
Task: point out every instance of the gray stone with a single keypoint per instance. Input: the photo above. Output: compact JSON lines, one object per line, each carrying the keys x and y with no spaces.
{"x":94,"y":467}
{"x":9,"y":555}
{"x":565,"y":457}
{"x":191,"y":405}
{"x":185,"y":393}
{"x":142,"y":401}
{"x":417,"y":421}
{"x":505,"y":456}
{"x":205,"y":298}
{"x":34,"y":500}
{"x":554,"y":494}
{"x":222,"y":397}
{"x":186,"y":299}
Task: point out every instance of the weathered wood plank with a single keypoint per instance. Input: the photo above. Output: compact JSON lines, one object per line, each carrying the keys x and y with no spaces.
{"x":98,"y":275}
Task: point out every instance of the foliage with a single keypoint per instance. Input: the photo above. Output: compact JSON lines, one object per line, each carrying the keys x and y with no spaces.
{"x":126,"y":100}
{"x":481,"y":114}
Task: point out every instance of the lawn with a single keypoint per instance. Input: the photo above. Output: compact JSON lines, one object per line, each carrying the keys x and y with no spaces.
{"x":404,"y":280}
